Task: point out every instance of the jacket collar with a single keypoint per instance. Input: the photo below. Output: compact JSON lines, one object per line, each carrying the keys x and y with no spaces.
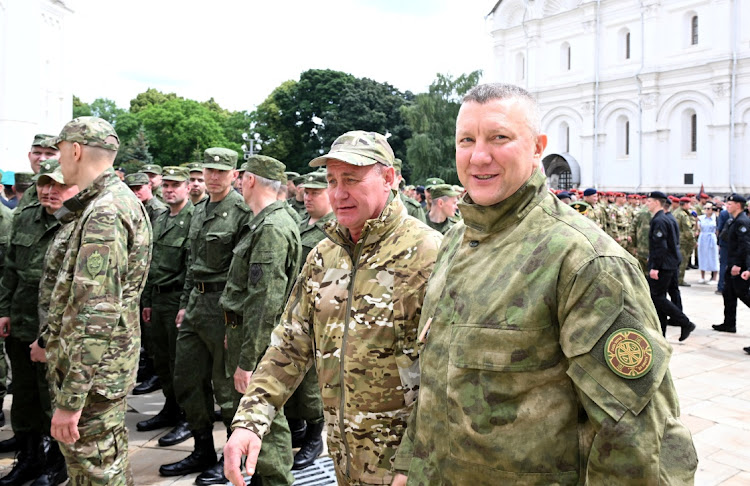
{"x":74,"y":206}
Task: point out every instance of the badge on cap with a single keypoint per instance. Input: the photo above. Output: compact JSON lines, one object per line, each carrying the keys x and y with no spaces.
{"x":171,"y":171}
{"x":216,"y":158}
{"x":629,"y":353}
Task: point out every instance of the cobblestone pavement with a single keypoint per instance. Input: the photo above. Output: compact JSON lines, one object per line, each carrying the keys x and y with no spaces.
{"x":710,"y":370}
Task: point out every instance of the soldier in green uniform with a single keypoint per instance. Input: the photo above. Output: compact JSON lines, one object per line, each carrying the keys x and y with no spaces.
{"x":41,"y":150}
{"x":93,"y":333}
{"x":161,"y":299}
{"x":618,"y":222}
{"x":139,"y":184}
{"x":304,"y":409}
{"x":200,"y":374}
{"x":154,"y":173}
{"x":33,"y":230}
{"x":6,"y":219}
{"x":431,"y":181}
{"x":527,"y":333}
{"x":197,"y":183}
{"x":297,"y":201}
{"x":687,"y":236}
{"x":291,"y":189}
{"x":412,"y":207}
{"x":351,"y":313}
{"x":639,"y":237}
{"x":442,"y":215}
{"x":263,"y":269}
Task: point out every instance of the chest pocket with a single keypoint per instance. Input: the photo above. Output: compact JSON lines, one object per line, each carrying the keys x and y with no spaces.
{"x":24,"y":244}
{"x":169,"y":253}
{"x":219,"y":246}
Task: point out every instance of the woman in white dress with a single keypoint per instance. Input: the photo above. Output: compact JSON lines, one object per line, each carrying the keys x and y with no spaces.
{"x":708,"y":251}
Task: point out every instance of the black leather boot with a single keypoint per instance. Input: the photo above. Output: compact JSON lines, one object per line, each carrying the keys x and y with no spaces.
{"x":202,"y":457}
{"x":9,"y":445}
{"x":149,"y":385}
{"x":212,"y":475}
{"x":298,"y":428}
{"x":29,"y":462}
{"x":180,"y":433}
{"x":169,"y":416}
{"x":55,"y":471}
{"x":312,"y":447}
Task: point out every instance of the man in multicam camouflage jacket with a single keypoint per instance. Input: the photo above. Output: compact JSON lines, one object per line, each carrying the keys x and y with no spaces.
{"x":353,"y":314}
{"x":93,"y":334}
{"x":542,"y":358}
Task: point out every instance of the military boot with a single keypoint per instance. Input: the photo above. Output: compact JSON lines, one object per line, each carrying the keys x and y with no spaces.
{"x":297,"y":428}
{"x":212,"y":475}
{"x":202,"y":457}
{"x":9,"y":445}
{"x":55,"y":471}
{"x":180,"y":433}
{"x":312,"y":447}
{"x":29,"y":462}
{"x":169,"y":416}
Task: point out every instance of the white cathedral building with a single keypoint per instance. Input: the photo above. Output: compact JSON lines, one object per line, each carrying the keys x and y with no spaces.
{"x":636,"y":95}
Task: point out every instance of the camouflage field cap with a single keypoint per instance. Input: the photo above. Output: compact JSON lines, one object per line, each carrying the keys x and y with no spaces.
{"x":397,"y":164}
{"x":88,"y":130}
{"x":46,"y":167}
{"x":297,"y":180}
{"x":267,"y":167}
{"x":433,"y":181}
{"x":291,"y":175}
{"x":442,"y":190}
{"x":137,"y":179}
{"x":152,"y":169}
{"x":315,"y":180}
{"x":55,"y":175}
{"x":179,"y":174}
{"x":42,"y":140}
{"x":23,"y":178}
{"x":194,"y":167}
{"x":219,"y":158}
{"x":358,"y":148}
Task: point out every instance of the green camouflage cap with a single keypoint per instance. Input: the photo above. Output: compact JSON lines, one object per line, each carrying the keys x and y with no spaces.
{"x":179,"y":174}
{"x":152,"y":169}
{"x":219,"y":158}
{"x":46,"y":167}
{"x":194,"y":167}
{"x":137,"y":179}
{"x":315,"y":180}
{"x":433,"y":181}
{"x":291,"y":175}
{"x":23,"y":178}
{"x":397,"y":164}
{"x":88,"y":130}
{"x":43,"y":140}
{"x":298,"y":180}
{"x":55,"y":174}
{"x":264,"y":166}
{"x":358,"y":148}
{"x":442,"y":190}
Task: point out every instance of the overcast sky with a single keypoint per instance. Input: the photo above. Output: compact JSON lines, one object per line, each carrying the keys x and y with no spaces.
{"x":238,"y":51}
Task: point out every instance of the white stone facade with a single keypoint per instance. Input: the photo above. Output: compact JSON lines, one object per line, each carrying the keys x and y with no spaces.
{"x":35,"y":92}
{"x":642,"y":94}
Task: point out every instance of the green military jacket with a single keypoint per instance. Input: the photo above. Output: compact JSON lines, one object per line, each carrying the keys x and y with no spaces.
{"x":32,"y":232}
{"x":528,"y":313}
{"x":353,"y":314}
{"x":687,"y":229}
{"x":154,"y":207}
{"x":265,"y":264}
{"x":212,"y":238}
{"x":298,"y":206}
{"x":170,"y":257}
{"x":444,"y":226}
{"x":312,"y":234}
{"x":29,"y":197}
{"x":294,"y":214}
{"x":413,"y":208}
{"x":618,"y":226}
{"x":6,"y":221}
{"x":158,"y":194}
{"x":94,"y":316}
{"x":639,"y":233}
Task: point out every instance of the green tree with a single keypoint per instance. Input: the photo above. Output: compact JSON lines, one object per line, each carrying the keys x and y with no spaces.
{"x":80,"y":108}
{"x":431,"y":117}
{"x":134,"y":153}
{"x":106,"y":109}
{"x":148,"y":98}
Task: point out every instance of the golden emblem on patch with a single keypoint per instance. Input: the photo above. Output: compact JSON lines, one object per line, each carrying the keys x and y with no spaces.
{"x":94,"y":263}
{"x":629,"y":353}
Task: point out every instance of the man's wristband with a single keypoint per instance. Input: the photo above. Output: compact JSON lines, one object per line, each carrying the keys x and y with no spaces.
{"x":40,"y":342}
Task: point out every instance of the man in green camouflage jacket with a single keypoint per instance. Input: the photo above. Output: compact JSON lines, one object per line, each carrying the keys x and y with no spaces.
{"x":353,"y":314}
{"x":442,"y":215}
{"x":686,"y":224}
{"x":41,"y":150}
{"x":412,"y":207}
{"x":94,"y":338}
{"x":639,"y":237}
{"x":541,"y":355}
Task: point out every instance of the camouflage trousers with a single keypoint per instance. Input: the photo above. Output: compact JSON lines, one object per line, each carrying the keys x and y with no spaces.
{"x":686,"y":251}
{"x":164,"y":339}
{"x":100,"y":456}
{"x":342,"y":480}
{"x":306,"y":402}
{"x":31,"y":410}
{"x":276,"y":457}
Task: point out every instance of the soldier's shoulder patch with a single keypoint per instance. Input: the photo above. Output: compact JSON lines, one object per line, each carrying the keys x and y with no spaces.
{"x":629,"y":353}
{"x":256,"y":273}
{"x":743,"y":229}
{"x":94,"y":259}
{"x":659,"y":234}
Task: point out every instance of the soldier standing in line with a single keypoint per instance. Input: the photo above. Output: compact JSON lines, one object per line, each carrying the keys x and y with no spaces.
{"x":687,"y":236}
{"x":161,"y":299}
{"x":41,"y":150}
{"x":639,"y":230}
{"x":154,"y":172}
{"x":442,"y":215}
{"x":264,"y":267}
{"x":33,"y":230}
{"x":6,"y":219}
{"x":304,"y":409}
{"x":618,"y":226}
{"x":412,"y":207}
{"x":519,"y":339}
{"x":197,"y":184}
{"x":352,"y":313}
{"x":93,"y":330}
{"x":291,"y":189}
{"x":139,"y":184}
{"x":297,"y":201}
{"x":200,"y":374}
{"x":596,"y":213}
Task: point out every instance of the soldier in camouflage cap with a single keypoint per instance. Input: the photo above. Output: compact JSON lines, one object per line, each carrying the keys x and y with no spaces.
{"x":196,"y":182}
{"x":432,"y":181}
{"x":41,"y":149}
{"x":535,"y":321}
{"x":154,"y":173}
{"x":297,"y":200}
{"x":412,"y":207}
{"x":140,"y":185}
{"x":442,"y":215}
{"x":92,"y":326}
{"x":291,"y":188}
{"x":352,"y":314}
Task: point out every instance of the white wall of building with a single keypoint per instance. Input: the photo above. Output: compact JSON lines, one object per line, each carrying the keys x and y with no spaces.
{"x":35,"y":94}
{"x":572,"y":55}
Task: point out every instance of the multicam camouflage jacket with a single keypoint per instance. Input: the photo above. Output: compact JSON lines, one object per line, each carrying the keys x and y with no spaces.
{"x":618,"y":226}
{"x":543,"y":360}
{"x":687,"y":229}
{"x":93,"y":335}
{"x":353,"y":313}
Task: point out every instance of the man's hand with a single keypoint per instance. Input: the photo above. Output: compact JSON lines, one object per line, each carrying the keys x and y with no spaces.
{"x":179,"y":318}
{"x":654,"y":274}
{"x":38,"y":353}
{"x":146,"y":314}
{"x":4,"y":326}
{"x":745,"y":275}
{"x":735,"y":270}
{"x":242,"y":441}
{"x":241,"y":380}
{"x":65,"y":426}
{"x":399,"y":480}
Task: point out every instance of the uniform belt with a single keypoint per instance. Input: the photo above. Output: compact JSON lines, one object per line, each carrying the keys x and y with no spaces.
{"x":206,"y":287}
{"x":232,"y":319}
{"x":166,"y":289}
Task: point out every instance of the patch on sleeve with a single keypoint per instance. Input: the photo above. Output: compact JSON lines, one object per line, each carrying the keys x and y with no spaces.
{"x":659,"y":234}
{"x":256,"y":273}
{"x":94,"y":260}
{"x":629,"y":353}
{"x":743,"y":229}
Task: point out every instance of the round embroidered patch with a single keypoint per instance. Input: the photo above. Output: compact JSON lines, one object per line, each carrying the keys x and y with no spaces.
{"x":629,"y":353}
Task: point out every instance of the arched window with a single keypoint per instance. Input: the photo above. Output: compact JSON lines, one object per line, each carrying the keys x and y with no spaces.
{"x":690,"y":131}
{"x":520,"y":67}
{"x":623,"y":137}
{"x":626,"y":47}
{"x":694,"y":30}
{"x":564,"y":136}
{"x":565,"y":57}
